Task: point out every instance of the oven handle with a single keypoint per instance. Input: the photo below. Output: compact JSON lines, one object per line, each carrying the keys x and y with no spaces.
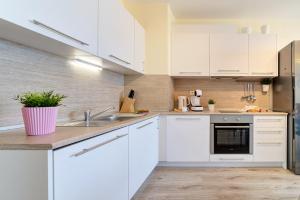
{"x":232,"y":126}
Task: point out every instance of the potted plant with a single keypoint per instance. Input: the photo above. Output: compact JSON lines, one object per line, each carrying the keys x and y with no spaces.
{"x":211,"y":105}
{"x":40,"y":111}
{"x":266,"y":82}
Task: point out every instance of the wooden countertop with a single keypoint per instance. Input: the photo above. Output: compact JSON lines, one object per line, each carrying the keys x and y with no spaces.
{"x":18,"y":140}
{"x":63,"y":136}
{"x":206,"y":112}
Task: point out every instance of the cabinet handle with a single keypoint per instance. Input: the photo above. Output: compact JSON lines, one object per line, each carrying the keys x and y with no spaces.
{"x":229,"y":70}
{"x":269,"y":120}
{"x":232,"y":126}
{"x":58,"y":32}
{"x":262,"y":73}
{"x":228,"y":159}
{"x":84,"y":151}
{"x":119,"y":59}
{"x":269,"y":132}
{"x":144,"y":125}
{"x":187,"y":118}
{"x":269,"y":143}
{"x":190,"y":72}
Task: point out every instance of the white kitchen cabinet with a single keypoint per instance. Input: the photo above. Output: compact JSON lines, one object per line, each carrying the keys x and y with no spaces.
{"x":139,"y":47}
{"x":229,"y":55}
{"x":116,"y":33}
{"x":93,"y":169}
{"x":143,"y":152}
{"x":188,"y":138}
{"x":70,"y":22}
{"x":263,"y":55}
{"x":270,"y":139}
{"x":189,"y":52}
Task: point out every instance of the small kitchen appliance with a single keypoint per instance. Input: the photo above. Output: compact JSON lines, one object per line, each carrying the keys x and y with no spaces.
{"x":195,"y":101}
{"x":182,"y":102}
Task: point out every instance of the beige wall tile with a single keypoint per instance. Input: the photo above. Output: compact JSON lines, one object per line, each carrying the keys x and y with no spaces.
{"x":25,"y":69}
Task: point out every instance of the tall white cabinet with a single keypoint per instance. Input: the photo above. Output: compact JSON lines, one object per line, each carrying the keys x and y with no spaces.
{"x":189,"y":52}
{"x":116,"y":33}
{"x":263,"y":55}
{"x":229,"y":54}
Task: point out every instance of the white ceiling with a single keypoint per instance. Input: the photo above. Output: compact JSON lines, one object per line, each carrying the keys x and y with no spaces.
{"x":230,"y":9}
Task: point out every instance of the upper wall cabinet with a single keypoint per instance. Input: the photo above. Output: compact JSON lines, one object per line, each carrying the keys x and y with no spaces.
{"x":139,"y":47}
{"x":190,"y":52}
{"x":116,"y":33}
{"x":263,"y":55}
{"x":229,"y":55}
{"x":73,"y":22}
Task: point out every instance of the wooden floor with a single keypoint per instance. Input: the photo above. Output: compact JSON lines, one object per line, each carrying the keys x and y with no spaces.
{"x":221,"y":183}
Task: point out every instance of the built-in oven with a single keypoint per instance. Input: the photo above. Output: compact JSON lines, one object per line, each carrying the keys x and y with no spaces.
{"x":231,"y":134}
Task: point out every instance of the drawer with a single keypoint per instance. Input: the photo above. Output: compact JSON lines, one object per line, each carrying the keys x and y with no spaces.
{"x":86,"y":146}
{"x":269,"y":121}
{"x":230,"y":158}
{"x":269,"y":134}
{"x":269,"y":151}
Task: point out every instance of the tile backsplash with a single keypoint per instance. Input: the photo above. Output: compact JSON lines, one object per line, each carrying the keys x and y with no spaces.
{"x":226,"y":93}
{"x":25,"y":69}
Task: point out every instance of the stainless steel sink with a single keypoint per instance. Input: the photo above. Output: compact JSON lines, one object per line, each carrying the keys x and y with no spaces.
{"x":114,"y":117}
{"x":100,"y":121}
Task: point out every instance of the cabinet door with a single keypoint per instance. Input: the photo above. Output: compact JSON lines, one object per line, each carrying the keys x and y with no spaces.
{"x":116,"y":33}
{"x":94,"y":169}
{"x":229,"y":54}
{"x":143,"y":152}
{"x":263,"y":55}
{"x":188,"y":138}
{"x":71,"y":22}
{"x":190,"y":52}
{"x":139,"y":49}
{"x":269,"y":144}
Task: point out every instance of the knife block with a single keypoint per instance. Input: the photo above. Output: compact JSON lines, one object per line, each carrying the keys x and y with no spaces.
{"x":127,"y":106}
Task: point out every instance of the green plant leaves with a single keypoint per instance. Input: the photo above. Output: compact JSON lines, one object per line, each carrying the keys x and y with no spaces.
{"x":40,"y":99}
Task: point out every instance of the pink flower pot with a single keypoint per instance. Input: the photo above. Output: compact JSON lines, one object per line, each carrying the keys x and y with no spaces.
{"x":39,"y":120}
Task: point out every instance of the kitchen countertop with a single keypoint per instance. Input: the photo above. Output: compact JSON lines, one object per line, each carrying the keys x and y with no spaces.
{"x":63,"y":136}
{"x":206,"y":112}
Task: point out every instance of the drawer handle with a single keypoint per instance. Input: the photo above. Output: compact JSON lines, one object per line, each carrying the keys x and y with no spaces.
{"x":119,"y":59}
{"x":269,"y":132}
{"x":58,"y":32}
{"x":269,"y":143}
{"x":140,"y":127}
{"x":235,"y":159}
{"x":84,"y":151}
{"x":190,"y":72}
{"x":262,"y":73}
{"x":269,"y":120}
{"x":229,"y":70}
{"x":232,"y":126}
{"x":188,"y":118}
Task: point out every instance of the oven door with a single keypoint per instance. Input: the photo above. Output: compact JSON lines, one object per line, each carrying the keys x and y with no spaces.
{"x":231,"y":138}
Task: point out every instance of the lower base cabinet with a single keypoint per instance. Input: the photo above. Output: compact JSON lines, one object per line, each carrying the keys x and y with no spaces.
{"x":94,"y":169}
{"x":143,"y":152}
{"x":112,"y":166}
{"x":187,"y":138}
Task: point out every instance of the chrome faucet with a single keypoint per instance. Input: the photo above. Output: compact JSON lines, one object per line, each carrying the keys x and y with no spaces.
{"x":88,"y":117}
